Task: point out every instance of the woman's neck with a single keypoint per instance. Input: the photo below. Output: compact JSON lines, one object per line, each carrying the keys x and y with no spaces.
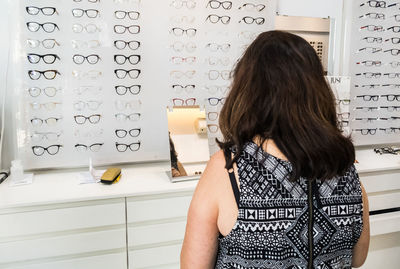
{"x":270,"y":147}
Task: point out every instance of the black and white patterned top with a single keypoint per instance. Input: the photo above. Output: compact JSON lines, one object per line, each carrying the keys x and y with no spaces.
{"x":273,"y":222}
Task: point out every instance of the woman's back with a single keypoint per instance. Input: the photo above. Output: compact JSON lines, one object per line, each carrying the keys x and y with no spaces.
{"x":279,"y":94}
{"x":275,"y":219}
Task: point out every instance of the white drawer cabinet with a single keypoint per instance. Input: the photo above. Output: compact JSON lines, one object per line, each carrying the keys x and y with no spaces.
{"x":64,"y":236}
{"x":156,"y":227}
{"x":156,"y":257}
{"x":157,"y":207}
{"x":383,"y":189}
{"x":106,"y":261}
{"x":37,"y":220}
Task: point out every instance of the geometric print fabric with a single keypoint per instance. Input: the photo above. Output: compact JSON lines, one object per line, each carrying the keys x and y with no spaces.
{"x":272,"y":226}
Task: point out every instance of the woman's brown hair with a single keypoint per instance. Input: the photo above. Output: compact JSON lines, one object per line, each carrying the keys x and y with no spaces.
{"x":279,"y":92}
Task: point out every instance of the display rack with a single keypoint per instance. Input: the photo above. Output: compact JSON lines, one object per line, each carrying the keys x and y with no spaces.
{"x":93,"y":78}
{"x":374,"y":67}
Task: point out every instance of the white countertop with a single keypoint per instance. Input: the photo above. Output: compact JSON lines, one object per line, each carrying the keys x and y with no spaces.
{"x":63,"y":186}
{"x":369,"y":161}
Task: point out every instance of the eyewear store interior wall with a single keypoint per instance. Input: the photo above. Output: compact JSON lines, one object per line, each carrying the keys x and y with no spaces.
{"x":89,"y":84}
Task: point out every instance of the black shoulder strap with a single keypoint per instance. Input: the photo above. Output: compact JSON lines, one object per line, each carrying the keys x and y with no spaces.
{"x":232,"y":177}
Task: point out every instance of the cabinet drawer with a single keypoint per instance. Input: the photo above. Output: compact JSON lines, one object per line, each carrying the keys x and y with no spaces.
{"x":114,"y":261}
{"x":71,"y":244}
{"x":62,"y":219}
{"x":384,"y":200}
{"x":381,"y":181}
{"x":155,"y":257}
{"x":154,"y":234}
{"x":385,"y":223}
{"x":156,"y":209}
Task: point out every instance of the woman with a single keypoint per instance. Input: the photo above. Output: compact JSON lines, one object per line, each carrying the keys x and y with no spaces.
{"x":283,"y":192}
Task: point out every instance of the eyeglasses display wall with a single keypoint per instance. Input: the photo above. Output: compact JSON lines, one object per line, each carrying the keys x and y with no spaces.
{"x":375,"y":68}
{"x":92,"y":78}
{"x":341,"y":90}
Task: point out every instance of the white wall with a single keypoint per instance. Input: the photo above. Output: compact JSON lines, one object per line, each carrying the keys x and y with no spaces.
{"x":4,"y":52}
{"x":322,"y":9}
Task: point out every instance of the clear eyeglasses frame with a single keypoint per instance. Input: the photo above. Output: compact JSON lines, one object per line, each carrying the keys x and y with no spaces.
{"x":49,"y":106}
{"x":121,"y":147}
{"x":215,"y":74}
{"x":182,"y":19}
{"x":89,"y":28}
{"x":122,"y":133}
{"x":213,"y":89}
{"x":133,"y":89}
{"x":79,"y":44}
{"x":121,"y":44}
{"x":48,"y":136}
{"x":214,"y":47}
{"x":212,"y":116}
{"x":343,"y":101}
{"x":90,"y":59}
{"x":225,"y":61}
{"x":180,"y":60}
{"x":121,"y":14}
{"x":179,"y":46}
{"x":123,"y":105}
{"x":52,"y":150}
{"x":90,"y":13}
{"x":213,"y":128}
{"x":90,"y":104}
{"x":91,"y":74}
{"x":93,"y":147}
{"x":190,"y":4}
{"x":184,"y":102}
{"x":48,"y":43}
{"x":190,"y":32}
{"x":181,"y":74}
{"x":121,"y":117}
{"x":90,"y":1}
{"x":47,"y":11}
{"x":93,"y":119}
{"x":343,"y":116}
{"x":90,"y":89}
{"x":121,"y":29}
{"x":49,"y":121}
{"x":48,"y":91}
